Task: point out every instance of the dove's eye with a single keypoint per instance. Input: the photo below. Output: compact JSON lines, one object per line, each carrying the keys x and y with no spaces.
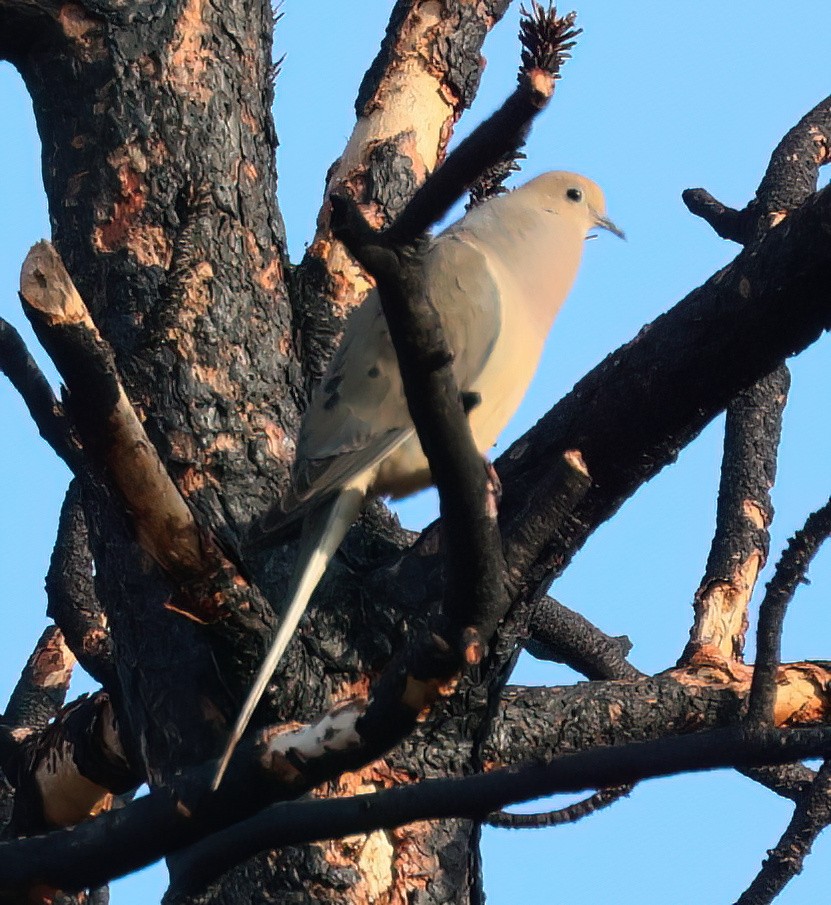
{"x":574,"y":195}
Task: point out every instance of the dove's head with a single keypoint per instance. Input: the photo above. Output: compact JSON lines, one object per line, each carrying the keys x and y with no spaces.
{"x":574,"y":196}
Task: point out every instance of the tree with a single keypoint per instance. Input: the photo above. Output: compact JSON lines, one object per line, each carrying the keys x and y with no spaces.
{"x":186,"y":282}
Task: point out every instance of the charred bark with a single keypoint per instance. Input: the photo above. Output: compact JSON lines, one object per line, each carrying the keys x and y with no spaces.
{"x":200,"y":345}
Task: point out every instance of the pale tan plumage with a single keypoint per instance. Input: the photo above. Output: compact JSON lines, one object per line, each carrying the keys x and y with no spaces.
{"x":498,"y":277}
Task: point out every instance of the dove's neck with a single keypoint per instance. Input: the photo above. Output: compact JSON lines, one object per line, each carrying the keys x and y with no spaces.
{"x":540,"y":254}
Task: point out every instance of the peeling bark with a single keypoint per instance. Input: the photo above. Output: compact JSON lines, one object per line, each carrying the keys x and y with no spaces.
{"x":425,"y":75}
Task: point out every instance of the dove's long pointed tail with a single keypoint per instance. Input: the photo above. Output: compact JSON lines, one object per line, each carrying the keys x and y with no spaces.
{"x":323,"y":530}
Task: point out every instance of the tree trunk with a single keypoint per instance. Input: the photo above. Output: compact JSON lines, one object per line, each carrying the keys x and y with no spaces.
{"x":158,"y":163}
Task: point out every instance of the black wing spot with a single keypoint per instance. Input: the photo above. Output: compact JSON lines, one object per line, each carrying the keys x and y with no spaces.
{"x":373,"y":371}
{"x":332,"y":401}
{"x":332,"y":385}
{"x":470,"y":401}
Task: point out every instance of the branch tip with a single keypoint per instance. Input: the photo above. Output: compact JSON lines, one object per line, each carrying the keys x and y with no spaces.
{"x":790,"y":572}
{"x":547,"y":40}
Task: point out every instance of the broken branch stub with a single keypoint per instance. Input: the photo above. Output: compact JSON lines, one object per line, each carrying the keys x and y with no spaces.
{"x":110,"y":429}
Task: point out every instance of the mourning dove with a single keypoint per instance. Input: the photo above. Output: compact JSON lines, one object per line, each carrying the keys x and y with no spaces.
{"x":497,"y":278}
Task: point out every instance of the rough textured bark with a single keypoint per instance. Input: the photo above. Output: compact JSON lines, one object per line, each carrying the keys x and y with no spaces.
{"x":754,"y":418}
{"x":159,"y":170}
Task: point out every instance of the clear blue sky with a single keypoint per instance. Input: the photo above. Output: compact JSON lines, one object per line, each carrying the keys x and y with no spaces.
{"x":659,"y":97}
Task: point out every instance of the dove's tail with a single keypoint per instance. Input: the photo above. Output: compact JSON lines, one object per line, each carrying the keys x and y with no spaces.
{"x":324,"y":527}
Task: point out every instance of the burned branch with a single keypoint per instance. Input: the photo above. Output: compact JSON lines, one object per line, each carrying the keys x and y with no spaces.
{"x":605,"y":798}
{"x":425,"y":75}
{"x":43,"y":684}
{"x":71,"y":769}
{"x":791,"y":177}
{"x":790,"y":572}
{"x":47,"y":413}
{"x":153,"y":825}
{"x":624,"y":441}
{"x":111,"y":430}
{"x":215,"y":341}
{"x":70,"y":588}
{"x":754,"y":418}
{"x":811,"y":816}
{"x":209,"y":587}
{"x":559,"y":634}
{"x":740,"y":545}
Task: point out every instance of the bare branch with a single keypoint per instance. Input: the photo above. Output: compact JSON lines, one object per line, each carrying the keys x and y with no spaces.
{"x":501,"y":133}
{"x":47,"y":413}
{"x":741,"y":541}
{"x":119,"y":842}
{"x":40,"y":692}
{"x":811,"y":816}
{"x":551,"y":721}
{"x":547,"y":41}
{"x":793,"y":171}
{"x":790,"y":572}
{"x":570,"y":814}
{"x":210,"y":588}
{"x":726,"y":221}
{"x":754,"y":418}
{"x":790,"y":178}
{"x":109,"y":427}
{"x":426,"y":73}
{"x":788,"y":780}
{"x":558,"y":633}
{"x":151,"y":827}
{"x":70,"y":588}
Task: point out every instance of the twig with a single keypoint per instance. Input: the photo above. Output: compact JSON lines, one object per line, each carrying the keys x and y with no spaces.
{"x":726,"y":221}
{"x":570,"y":814}
{"x":788,"y":780}
{"x":811,"y":816}
{"x":547,"y":41}
{"x":790,"y":572}
{"x":500,"y":135}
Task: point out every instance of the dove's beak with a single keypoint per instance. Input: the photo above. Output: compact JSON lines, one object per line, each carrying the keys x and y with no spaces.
{"x":606,"y":223}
